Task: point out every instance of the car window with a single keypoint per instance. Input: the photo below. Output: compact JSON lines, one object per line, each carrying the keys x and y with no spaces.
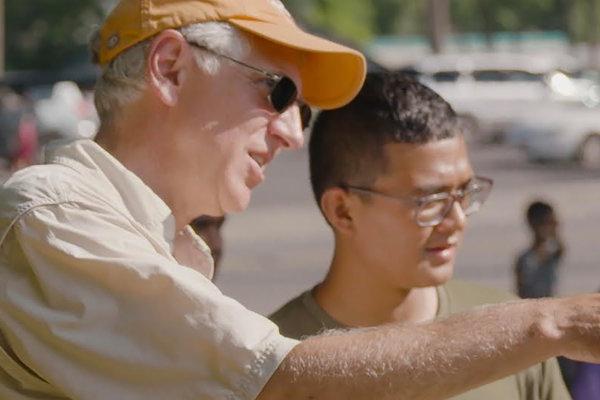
{"x":492,"y":75}
{"x":446,"y":76}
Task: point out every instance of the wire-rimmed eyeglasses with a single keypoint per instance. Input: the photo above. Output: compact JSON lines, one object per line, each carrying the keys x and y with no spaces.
{"x":431,"y":210}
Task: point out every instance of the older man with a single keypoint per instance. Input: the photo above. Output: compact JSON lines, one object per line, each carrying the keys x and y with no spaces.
{"x":105,"y":290}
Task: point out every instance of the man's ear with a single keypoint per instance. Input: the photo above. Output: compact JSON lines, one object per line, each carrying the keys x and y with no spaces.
{"x":167,"y":58}
{"x":337,"y":206}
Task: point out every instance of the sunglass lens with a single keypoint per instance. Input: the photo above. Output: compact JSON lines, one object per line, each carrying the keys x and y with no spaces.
{"x":284,"y":93}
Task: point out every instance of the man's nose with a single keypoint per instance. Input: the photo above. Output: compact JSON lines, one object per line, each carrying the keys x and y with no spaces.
{"x":454,"y":220}
{"x":286,"y":128}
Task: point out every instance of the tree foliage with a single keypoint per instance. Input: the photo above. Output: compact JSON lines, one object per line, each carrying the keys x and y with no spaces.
{"x":362,"y":19}
{"x":510,"y":15}
{"x":48,"y":34}
{"x":584,"y":20}
{"x":351,"y":19}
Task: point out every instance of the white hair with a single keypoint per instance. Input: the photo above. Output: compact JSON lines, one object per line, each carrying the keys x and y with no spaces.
{"x":123,"y":79}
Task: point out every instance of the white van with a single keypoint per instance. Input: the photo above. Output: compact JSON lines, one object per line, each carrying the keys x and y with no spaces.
{"x":496,"y":91}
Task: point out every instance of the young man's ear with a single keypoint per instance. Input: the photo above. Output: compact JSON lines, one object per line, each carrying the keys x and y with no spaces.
{"x":336,"y":205}
{"x":166,"y":70}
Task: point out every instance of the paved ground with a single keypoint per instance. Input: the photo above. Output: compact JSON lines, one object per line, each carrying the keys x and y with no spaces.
{"x":281,"y":246}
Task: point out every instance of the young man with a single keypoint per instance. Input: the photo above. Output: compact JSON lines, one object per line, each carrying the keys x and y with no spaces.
{"x":391,"y":174}
{"x":105,"y":290}
{"x":536,"y":268}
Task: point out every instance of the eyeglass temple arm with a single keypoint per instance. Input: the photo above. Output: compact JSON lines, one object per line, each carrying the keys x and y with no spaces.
{"x":266,"y":73}
{"x":373,"y":192}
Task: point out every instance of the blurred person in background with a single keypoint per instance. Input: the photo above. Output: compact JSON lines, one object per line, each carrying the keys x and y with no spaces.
{"x":209,"y":229}
{"x":536,"y":268}
{"x":26,"y":152}
{"x":105,"y":290}
{"x":391,"y":174}
{"x":18,"y":131}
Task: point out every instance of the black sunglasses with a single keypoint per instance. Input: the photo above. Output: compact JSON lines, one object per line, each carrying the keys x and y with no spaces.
{"x":283,"y":90}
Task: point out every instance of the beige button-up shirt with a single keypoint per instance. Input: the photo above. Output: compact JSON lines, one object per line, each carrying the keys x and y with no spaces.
{"x":100,"y":298}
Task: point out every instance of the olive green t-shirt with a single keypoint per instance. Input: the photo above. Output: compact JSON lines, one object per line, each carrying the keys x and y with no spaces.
{"x":302,"y":317}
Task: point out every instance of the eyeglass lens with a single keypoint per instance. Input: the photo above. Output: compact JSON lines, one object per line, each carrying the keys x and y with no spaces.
{"x":283,"y":94}
{"x":433,"y":211}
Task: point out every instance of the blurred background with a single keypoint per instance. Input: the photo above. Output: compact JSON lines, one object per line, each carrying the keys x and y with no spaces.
{"x":523,"y":75}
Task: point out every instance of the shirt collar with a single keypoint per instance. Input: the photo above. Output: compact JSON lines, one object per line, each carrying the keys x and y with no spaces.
{"x":145,"y":206}
{"x":141,"y":202}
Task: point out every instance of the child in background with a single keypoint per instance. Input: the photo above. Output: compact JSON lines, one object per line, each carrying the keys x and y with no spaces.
{"x":536,"y":268}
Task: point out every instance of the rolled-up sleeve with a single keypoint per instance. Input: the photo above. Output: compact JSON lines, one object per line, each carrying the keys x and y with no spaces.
{"x":89,"y":306}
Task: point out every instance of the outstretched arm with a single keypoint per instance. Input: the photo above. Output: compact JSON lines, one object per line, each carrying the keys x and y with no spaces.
{"x":439,"y":359}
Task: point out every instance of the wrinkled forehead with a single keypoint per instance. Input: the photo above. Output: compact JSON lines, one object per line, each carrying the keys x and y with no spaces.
{"x":436,"y":164}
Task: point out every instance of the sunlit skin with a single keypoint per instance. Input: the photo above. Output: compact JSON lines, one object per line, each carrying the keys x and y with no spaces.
{"x":385,"y":266}
{"x":202,"y":142}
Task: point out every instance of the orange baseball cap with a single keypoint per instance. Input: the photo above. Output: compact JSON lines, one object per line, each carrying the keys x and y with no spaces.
{"x":331,"y":74}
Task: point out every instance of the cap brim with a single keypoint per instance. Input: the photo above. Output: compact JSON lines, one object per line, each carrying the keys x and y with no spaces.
{"x":331,"y":74}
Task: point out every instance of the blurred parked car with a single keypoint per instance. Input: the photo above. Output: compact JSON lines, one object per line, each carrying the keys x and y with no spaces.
{"x":492,"y":91}
{"x":563,"y":132}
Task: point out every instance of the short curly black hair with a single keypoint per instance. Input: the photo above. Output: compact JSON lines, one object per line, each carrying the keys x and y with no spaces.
{"x":537,"y":213}
{"x":346,"y":144}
